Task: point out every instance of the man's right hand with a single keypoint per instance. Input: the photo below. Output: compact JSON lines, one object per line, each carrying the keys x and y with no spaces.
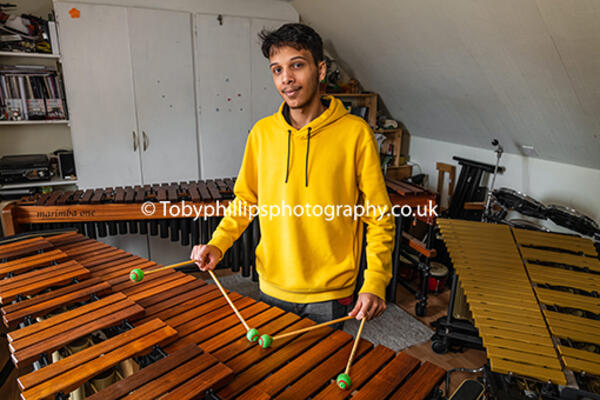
{"x":206,"y":256}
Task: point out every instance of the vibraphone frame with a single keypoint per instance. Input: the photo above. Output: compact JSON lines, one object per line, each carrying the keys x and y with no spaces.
{"x":552,"y":262}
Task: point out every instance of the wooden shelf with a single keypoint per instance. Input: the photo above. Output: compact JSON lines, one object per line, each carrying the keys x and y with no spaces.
{"x":32,"y":55}
{"x":36,"y":122}
{"x":368,"y":100}
{"x":399,"y":172}
{"x":55,"y":181}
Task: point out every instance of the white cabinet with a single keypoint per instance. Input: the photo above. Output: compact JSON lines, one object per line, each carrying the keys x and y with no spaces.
{"x":153,"y":100}
{"x":131,"y":77}
{"x":235,"y":88}
{"x":97,"y":72}
{"x":163,"y":76}
{"x":223,"y":92}
{"x":130,"y":81}
{"x":265,"y":98}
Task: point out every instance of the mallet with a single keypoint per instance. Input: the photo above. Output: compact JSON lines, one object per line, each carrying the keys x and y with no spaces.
{"x":251,"y":333}
{"x":265,"y":340}
{"x":343,"y":380}
{"x":137,"y":274}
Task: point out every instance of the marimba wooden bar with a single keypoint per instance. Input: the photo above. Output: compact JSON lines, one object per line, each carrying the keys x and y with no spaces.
{"x":184,"y":335}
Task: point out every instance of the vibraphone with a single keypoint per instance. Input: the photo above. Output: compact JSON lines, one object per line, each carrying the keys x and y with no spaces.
{"x":113,"y":211}
{"x":535,"y":304}
{"x":187,"y":341}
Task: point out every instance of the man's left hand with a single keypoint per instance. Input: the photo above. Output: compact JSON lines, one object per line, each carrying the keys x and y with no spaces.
{"x":368,"y":306}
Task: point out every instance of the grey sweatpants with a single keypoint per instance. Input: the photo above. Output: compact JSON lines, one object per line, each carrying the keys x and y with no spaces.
{"x":320,"y":312}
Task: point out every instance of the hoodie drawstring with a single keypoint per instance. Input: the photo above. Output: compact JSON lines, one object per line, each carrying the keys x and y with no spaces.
{"x":306,"y":162}
{"x":287,"y":168}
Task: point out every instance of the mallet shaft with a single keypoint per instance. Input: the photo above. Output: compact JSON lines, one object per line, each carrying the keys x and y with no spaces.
{"x":181,"y":264}
{"x":310,"y":328}
{"x":355,"y":346}
{"x":235,"y":310}
{"x":212,"y":275}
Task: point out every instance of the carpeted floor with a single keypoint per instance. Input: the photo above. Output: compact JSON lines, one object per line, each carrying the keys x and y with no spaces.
{"x":395,"y":329}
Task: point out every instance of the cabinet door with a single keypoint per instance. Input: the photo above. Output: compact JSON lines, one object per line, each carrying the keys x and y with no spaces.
{"x":97,"y":69}
{"x":163,"y":74}
{"x":223,"y":76}
{"x":265,"y":97}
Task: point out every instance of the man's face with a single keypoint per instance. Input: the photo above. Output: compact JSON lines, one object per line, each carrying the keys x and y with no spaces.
{"x":295,"y":75}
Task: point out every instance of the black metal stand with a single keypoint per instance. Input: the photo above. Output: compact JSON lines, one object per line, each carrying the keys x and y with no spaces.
{"x":451,"y":332}
{"x":468,"y":187}
{"x":422,"y":264}
{"x":211,"y":395}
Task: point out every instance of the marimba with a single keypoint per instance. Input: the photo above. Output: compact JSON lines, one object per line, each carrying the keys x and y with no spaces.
{"x":179,"y":329}
{"x":534,"y":299}
{"x":113,"y":211}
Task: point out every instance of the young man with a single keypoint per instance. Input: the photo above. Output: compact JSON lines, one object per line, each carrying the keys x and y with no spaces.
{"x":311,"y":155}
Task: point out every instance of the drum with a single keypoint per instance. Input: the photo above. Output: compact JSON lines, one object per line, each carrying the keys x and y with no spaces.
{"x":511,"y":199}
{"x":525,"y":224}
{"x":572,"y":219}
{"x":406,"y":270}
{"x":438,"y":276}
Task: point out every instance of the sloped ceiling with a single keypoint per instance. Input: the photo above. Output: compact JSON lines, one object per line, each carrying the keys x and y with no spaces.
{"x":465,"y":71}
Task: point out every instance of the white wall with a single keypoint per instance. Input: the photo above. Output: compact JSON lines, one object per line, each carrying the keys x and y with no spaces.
{"x":546,"y":181}
{"x":465,"y":71}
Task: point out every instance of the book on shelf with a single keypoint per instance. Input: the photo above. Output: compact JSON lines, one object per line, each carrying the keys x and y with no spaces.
{"x":31,"y":92}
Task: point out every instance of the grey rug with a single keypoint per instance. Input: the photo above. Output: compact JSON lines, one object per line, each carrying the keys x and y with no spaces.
{"x":395,"y":329}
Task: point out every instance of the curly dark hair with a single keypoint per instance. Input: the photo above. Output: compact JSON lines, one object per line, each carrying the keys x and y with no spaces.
{"x":298,"y":36}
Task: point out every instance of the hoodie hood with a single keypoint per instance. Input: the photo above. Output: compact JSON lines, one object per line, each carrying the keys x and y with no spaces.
{"x":335,"y":110}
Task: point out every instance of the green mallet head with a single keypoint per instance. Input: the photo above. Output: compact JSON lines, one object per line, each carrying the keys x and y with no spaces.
{"x":343,"y":381}
{"x":136,"y":275}
{"x":265,"y":341}
{"x":252,"y":335}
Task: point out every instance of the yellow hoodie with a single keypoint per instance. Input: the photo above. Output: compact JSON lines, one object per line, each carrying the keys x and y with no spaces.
{"x":332,"y":161}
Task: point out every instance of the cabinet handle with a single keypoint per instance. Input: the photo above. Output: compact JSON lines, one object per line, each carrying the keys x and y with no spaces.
{"x":146,"y":140}
{"x":135,"y":141}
